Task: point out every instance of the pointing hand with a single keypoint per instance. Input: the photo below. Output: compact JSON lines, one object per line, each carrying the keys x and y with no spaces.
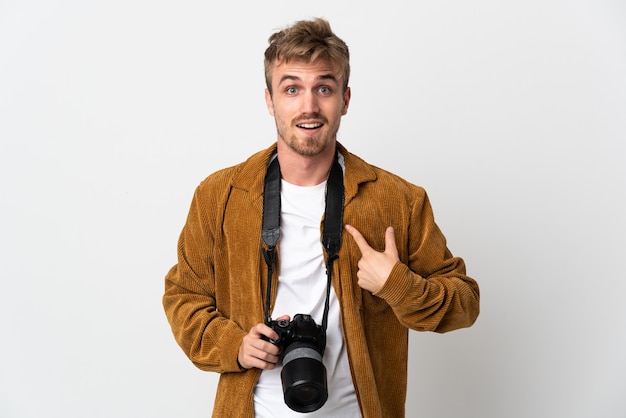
{"x":375,"y":266}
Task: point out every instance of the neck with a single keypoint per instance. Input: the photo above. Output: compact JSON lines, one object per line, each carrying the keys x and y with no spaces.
{"x":304,"y":170}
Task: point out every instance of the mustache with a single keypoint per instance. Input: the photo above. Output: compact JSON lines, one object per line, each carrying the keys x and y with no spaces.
{"x":308,"y":116}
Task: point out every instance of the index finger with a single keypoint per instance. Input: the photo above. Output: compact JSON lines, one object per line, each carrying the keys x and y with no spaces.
{"x":261,"y":330}
{"x":358,"y":238}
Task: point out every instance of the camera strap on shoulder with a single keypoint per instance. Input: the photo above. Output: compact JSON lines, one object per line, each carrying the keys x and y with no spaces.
{"x":331,"y":229}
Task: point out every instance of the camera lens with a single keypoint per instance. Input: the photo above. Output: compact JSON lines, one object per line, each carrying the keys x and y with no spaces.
{"x":304,"y":378}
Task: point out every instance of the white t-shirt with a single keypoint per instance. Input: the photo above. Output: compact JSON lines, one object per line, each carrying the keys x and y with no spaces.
{"x":301,"y":289}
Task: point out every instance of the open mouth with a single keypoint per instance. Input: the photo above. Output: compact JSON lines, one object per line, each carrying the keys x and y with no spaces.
{"x":314,"y":125}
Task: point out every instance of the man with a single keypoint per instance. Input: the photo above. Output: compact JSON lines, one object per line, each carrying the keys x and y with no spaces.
{"x":391,"y":272}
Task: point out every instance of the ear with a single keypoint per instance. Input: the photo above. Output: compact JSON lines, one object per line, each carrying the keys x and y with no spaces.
{"x":268,"y":101}
{"x":346,"y":100}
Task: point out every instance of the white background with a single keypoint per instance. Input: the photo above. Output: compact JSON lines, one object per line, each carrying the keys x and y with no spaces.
{"x":510,"y":114}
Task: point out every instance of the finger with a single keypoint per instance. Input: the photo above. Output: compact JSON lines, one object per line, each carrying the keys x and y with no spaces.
{"x":263,"y":330}
{"x":254,"y":357}
{"x":358,"y":238}
{"x":390,"y":241}
{"x":256,"y":334}
{"x":267,"y":352}
{"x":255,"y":352}
{"x":269,"y":332}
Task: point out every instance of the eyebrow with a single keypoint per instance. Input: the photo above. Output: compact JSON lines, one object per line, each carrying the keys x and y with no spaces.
{"x":328,"y":76}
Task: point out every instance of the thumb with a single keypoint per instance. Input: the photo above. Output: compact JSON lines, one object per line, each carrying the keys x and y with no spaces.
{"x":390,"y":241}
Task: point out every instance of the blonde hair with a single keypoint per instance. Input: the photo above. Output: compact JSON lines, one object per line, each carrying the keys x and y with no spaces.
{"x":308,"y":40}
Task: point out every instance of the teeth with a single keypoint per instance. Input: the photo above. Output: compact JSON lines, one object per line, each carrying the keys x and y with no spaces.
{"x":310,"y":125}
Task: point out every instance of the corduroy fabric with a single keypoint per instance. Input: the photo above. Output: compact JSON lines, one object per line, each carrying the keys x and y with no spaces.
{"x":215,"y":293}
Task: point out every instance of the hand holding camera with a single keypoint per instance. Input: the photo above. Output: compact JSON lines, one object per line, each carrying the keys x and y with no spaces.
{"x":256,"y":350}
{"x":301,"y":343}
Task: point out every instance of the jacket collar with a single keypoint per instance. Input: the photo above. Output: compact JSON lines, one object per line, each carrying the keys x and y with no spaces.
{"x":248,"y":178}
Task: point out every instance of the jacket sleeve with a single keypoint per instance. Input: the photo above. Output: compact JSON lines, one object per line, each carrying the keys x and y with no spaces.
{"x":210,"y":340}
{"x":429,"y":290}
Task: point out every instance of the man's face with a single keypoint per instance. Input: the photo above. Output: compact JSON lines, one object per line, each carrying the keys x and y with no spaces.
{"x":307,"y":103}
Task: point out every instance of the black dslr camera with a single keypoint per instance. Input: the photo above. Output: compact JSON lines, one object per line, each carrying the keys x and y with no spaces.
{"x":302,"y":343}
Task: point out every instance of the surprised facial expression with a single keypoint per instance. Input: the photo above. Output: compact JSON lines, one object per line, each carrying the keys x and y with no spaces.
{"x":307,"y":102}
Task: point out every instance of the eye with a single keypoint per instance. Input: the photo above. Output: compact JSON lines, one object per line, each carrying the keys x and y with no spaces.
{"x":325,"y":90}
{"x":291,"y":90}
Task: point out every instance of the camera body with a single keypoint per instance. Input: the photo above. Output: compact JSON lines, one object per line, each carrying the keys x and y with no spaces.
{"x":301,"y":329}
{"x":302,"y":343}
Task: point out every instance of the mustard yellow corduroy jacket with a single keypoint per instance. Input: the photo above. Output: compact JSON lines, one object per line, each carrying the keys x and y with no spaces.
{"x":216,"y":291}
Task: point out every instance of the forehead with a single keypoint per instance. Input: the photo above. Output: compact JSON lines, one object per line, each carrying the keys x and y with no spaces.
{"x":305,"y":71}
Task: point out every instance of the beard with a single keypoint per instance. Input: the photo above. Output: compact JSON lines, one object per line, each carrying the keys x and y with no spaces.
{"x":307,"y":145}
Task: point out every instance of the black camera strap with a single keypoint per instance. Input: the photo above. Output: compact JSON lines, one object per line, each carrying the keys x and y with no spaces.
{"x":331,"y":229}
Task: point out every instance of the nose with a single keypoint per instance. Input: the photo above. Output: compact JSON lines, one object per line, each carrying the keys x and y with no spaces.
{"x":310,"y":102}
